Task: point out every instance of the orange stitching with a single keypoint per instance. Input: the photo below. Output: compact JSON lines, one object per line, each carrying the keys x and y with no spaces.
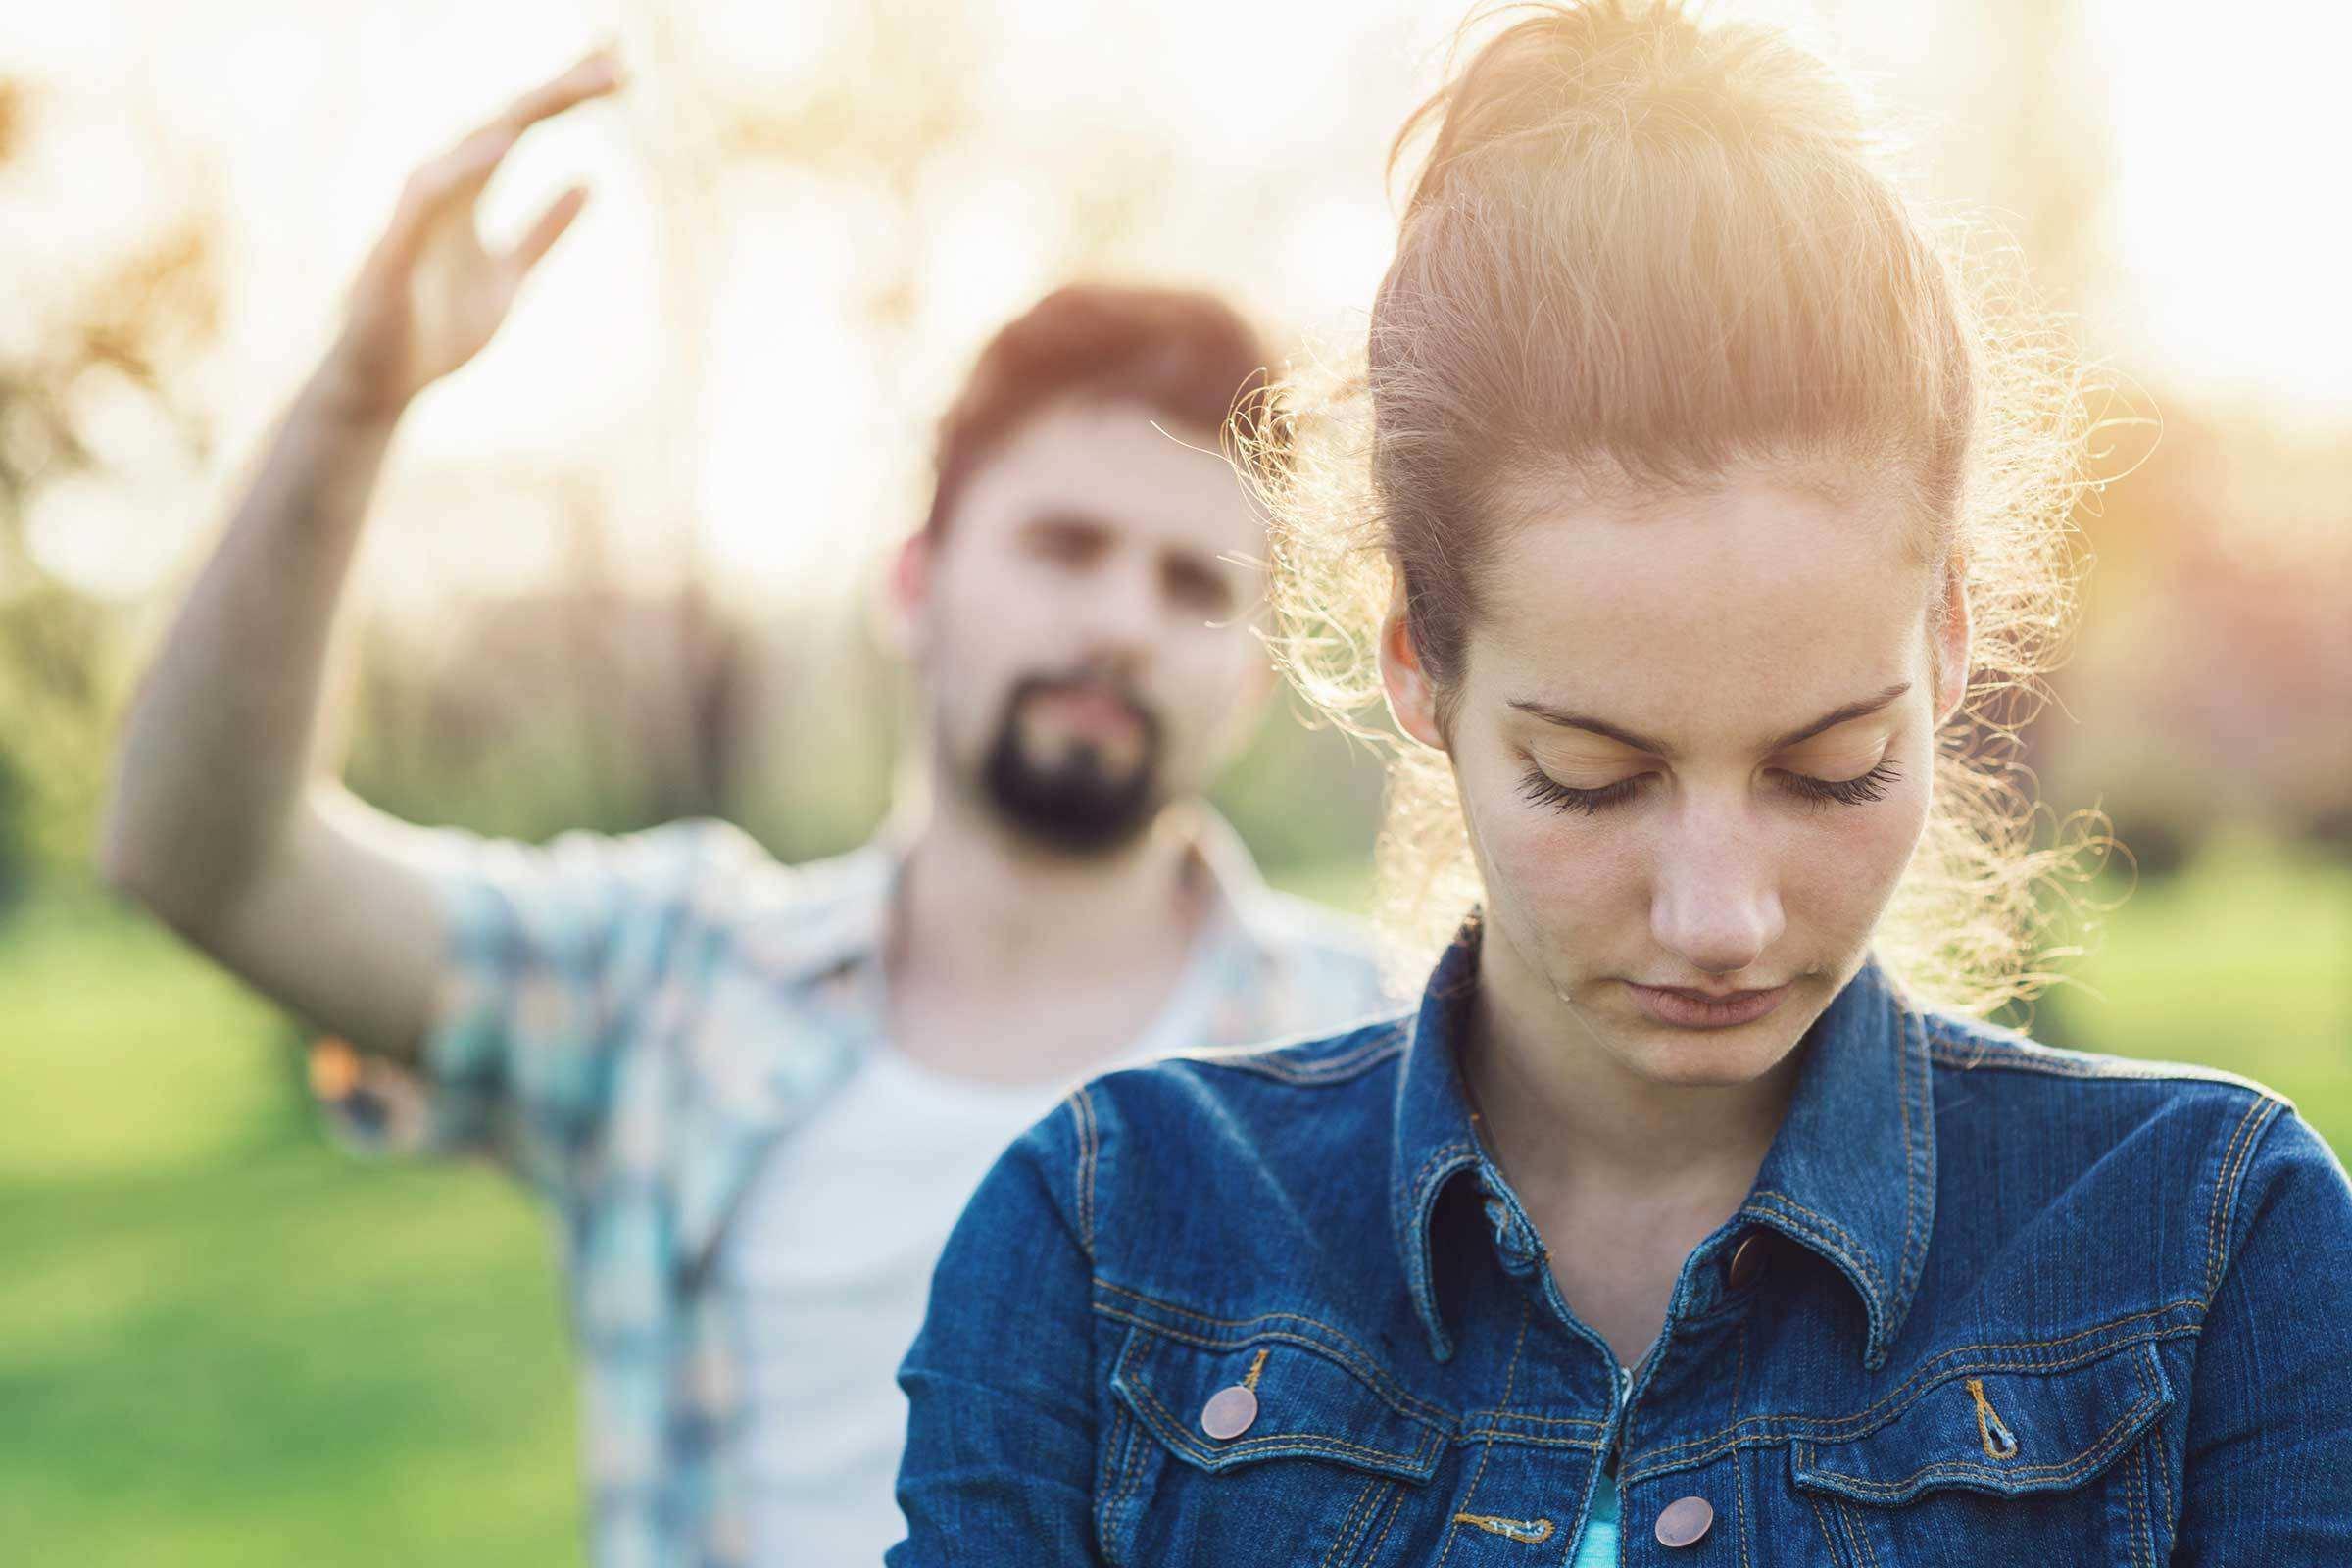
{"x":1927,"y":1373}
{"x":1827,"y":1538}
{"x":1140,"y":1445}
{"x":1494,"y":1434}
{"x":1903,"y":1265}
{"x":1861,"y":1534}
{"x":2221,"y":1184}
{"x":1131,"y":1476}
{"x":1370,"y":1370}
{"x":1203,"y":1317}
{"x":2135,"y":1500}
{"x":1862,"y":1256}
{"x":1510,"y":1377}
{"x":1396,"y":1507}
{"x":1395,"y":1397}
{"x":1255,"y":1367}
{"x":1533,"y":1532}
{"x":1124,"y":1430}
{"x":2217,"y":1245}
{"x":1417,"y":1254}
{"x":1443,"y":1154}
{"x":1738,"y":1481}
{"x":1539,"y":1420}
{"x":2012,"y":1058}
{"x":1350,"y":1524}
{"x":1992,"y":1431}
{"x":2081,"y":1464}
{"x":1353,"y":1524}
{"x":1720,"y":1442}
{"x":2151,"y":1449}
{"x":1172,"y":1432}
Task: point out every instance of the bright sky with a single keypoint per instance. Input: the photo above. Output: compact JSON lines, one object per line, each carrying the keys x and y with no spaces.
{"x":2230,"y":207}
{"x":701,"y":352}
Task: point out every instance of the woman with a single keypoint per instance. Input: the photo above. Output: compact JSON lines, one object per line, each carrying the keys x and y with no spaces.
{"x":1694,"y":1217}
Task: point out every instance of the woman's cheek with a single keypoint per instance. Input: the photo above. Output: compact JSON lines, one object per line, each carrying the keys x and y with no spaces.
{"x":1564,"y":871}
{"x":1844,"y":875}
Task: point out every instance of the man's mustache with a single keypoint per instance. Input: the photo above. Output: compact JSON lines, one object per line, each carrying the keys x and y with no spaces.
{"x":1087,"y":684}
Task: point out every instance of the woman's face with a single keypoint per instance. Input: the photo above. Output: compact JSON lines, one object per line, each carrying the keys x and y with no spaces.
{"x":1692,"y":738}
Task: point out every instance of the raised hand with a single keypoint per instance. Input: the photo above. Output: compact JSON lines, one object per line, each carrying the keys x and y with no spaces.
{"x":430,"y":295}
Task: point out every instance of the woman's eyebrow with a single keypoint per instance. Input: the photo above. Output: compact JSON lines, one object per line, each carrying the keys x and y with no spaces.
{"x":1857,"y":708}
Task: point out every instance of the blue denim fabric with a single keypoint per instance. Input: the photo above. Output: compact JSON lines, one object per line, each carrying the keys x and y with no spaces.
{"x":2020,"y":1305}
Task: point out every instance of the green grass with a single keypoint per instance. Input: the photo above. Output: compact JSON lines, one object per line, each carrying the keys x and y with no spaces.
{"x":2244,"y":961}
{"x":223,"y":1342}
{"x":221,"y":1339}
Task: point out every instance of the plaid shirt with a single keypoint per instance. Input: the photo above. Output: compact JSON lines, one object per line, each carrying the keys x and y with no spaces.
{"x":628,"y":1022}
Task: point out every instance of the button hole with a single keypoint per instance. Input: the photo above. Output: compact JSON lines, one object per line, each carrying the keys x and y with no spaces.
{"x":1256,"y":1366}
{"x":1532,"y":1532}
{"x":1999,"y":1441}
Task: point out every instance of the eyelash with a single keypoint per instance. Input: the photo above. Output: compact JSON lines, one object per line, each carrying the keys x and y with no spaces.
{"x":1545,"y":790}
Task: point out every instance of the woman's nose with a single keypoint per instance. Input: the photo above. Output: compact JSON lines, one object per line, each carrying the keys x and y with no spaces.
{"x":1715,"y":901}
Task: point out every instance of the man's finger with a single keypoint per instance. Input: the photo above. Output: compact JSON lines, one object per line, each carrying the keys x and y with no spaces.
{"x":595,"y":76}
{"x":456,"y":174}
{"x":548,"y":229}
{"x":460,"y":172}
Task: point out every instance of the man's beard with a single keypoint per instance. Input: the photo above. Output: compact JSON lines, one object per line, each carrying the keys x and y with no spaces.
{"x":1072,"y":803}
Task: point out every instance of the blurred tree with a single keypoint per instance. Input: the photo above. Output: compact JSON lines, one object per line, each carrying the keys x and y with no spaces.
{"x":120,"y":331}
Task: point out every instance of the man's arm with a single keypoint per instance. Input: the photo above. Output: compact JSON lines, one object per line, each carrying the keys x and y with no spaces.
{"x":218,"y":819}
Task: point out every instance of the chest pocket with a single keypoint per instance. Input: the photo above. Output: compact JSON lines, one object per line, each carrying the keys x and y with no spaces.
{"x":2002,"y":1465}
{"x":1332,"y":1449}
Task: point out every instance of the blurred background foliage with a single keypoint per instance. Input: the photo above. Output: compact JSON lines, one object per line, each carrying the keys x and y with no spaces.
{"x":619,"y":576}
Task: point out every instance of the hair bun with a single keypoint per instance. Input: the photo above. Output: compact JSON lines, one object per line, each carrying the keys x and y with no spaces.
{"x":1588,"y":74}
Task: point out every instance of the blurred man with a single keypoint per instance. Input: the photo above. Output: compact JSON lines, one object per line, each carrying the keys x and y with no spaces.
{"x":757,"y":1095}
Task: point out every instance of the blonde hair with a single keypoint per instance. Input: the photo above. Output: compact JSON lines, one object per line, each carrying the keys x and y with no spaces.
{"x":1640,"y":252}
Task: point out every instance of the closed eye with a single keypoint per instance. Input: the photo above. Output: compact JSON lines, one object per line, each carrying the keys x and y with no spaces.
{"x":1545,"y":790}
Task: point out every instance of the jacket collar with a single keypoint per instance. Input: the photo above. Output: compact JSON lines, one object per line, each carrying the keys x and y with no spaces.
{"x":1850,"y":1175}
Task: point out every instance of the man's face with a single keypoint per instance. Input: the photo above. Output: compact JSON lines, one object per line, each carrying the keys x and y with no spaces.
{"x":1083,"y":629}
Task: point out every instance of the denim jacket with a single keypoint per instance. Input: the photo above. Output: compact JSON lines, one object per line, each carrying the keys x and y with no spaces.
{"x":1988,"y":1302}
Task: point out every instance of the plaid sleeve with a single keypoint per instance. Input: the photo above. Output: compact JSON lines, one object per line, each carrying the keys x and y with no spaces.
{"x":552,"y":952}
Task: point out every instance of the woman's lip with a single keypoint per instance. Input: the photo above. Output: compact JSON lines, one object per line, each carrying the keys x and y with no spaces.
{"x":1684,"y":1009}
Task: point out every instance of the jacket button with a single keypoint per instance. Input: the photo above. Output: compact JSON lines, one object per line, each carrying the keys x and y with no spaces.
{"x":1683,"y":1521}
{"x":1747,"y":1259}
{"x":1229,"y":1412}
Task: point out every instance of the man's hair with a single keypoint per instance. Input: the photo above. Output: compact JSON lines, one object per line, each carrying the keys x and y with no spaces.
{"x":1187,"y":356}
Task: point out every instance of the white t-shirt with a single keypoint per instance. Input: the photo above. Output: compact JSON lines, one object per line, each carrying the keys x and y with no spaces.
{"x":831,"y":1255}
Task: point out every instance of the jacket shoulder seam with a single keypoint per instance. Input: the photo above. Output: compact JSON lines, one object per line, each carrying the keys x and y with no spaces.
{"x":2238,"y":1155}
{"x":1999,"y":1054}
{"x":1299,"y":1061}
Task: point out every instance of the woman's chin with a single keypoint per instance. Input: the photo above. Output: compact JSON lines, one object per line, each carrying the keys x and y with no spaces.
{"x":1707,"y":1059}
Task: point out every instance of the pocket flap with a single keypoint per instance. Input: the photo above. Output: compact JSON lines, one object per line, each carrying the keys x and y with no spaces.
{"x":2001,"y":1429}
{"x":1318,"y":1398}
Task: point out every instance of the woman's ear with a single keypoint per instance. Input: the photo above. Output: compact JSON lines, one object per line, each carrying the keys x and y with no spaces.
{"x":1412,"y":697}
{"x":1954,"y":640}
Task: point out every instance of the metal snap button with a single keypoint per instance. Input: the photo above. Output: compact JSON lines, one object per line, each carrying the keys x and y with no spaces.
{"x":1747,"y":1259}
{"x":1229,"y":1412}
{"x":1683,"y":1521}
